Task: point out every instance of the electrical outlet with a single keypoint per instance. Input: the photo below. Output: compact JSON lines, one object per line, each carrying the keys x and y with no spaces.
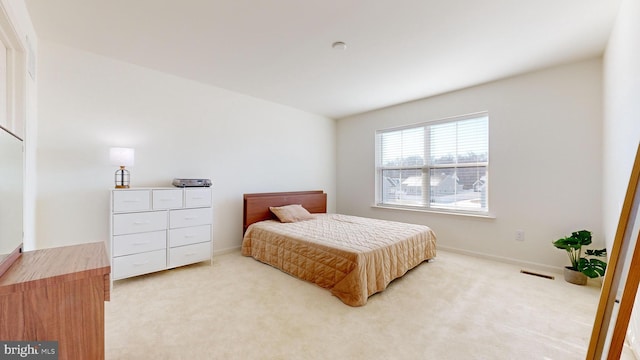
{"x":519,"y":235}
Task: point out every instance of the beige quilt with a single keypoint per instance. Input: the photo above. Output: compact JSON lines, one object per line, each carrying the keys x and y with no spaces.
{"x":354,"y":257}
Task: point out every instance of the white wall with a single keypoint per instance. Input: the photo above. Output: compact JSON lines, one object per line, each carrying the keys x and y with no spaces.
{"x":545,"y":162}
{"x":621,"y":126}
{"x":178,"y":127}
{"x":621,"y":110}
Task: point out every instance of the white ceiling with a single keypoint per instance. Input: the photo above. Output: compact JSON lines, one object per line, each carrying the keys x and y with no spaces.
{"x":280,"y":50}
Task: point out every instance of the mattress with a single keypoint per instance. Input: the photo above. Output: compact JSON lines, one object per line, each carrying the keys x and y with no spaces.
{"x":353,"y":257}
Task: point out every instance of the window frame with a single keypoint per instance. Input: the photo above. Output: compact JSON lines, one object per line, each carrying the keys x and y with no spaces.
{"x":427,"y":167}
{"x":13,"y":115}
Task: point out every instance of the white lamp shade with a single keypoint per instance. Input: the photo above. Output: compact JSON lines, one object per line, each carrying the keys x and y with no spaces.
{"x":122,"y":156}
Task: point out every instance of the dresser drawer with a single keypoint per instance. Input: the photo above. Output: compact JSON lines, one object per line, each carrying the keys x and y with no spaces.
{"x":200,"y":197}
{"x":139,"y":222}
{"x":189,"y":235}
{"x":189,"y":254}
{"x":137,"y":243}
{"x":190,"y":217}
{"x":167,"y":199}
{"x":134,"y":200}
{"x":138,"y":264}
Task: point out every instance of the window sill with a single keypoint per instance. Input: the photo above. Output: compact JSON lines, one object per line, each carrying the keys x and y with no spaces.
{"x":436,"y":211}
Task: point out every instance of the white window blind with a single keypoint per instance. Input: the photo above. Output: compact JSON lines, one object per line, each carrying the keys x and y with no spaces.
{"x":440,"y":165}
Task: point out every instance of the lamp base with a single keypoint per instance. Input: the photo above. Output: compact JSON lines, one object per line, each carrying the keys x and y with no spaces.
{"x":122,"y":178}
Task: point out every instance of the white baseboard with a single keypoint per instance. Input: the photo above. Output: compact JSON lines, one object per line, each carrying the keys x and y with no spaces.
{"x":524,"y":264}
{"x":226,"y":251}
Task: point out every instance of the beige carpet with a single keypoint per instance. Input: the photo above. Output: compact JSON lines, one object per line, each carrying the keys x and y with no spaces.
{"x":455,"y":307}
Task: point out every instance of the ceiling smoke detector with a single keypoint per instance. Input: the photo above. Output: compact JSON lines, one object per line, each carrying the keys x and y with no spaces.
{"x":339,"y":45}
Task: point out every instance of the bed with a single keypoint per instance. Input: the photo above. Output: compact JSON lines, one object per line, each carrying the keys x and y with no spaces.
{"x":353,"y":257}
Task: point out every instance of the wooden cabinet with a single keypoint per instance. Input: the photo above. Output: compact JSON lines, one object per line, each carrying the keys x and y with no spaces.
{"x":58,"y":294}
{"x":154,"y":229}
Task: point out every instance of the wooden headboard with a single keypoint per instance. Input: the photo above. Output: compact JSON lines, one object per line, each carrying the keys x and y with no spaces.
{"x":256,"y":206}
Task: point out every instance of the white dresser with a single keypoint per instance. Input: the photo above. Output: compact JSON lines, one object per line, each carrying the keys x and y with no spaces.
{"x":155,"y":229}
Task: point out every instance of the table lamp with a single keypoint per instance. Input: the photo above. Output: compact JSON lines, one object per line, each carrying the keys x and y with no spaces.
{"x":122,"y":157}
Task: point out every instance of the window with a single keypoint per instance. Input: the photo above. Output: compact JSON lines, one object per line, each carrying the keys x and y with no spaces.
{"x":3,"y":83}
{"x":441,"y":165}
{"x":12,"y":79}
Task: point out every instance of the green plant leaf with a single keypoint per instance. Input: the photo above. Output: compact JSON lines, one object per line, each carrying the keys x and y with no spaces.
{"x":592,"y":267}
{"x":583,"y":237}
{"x":567,"y":243}
{"x":599,"y":253}
{"x":573,"y":246}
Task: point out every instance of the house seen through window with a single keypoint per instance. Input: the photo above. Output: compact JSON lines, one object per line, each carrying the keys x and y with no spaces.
{"x":439,"y":165}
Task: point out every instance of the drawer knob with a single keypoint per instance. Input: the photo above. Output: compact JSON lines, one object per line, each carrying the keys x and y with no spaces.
{"x":132,"y":201}
{"x":141,"y":243}
{"x":141,"y":222}
{"x":190,"y":217}
{"x":140,"y":264}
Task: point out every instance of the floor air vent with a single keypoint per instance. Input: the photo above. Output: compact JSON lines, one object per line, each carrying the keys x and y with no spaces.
{"x":537,"y":274}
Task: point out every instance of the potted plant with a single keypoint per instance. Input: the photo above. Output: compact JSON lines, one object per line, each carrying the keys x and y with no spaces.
{"x":581,"y":266}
